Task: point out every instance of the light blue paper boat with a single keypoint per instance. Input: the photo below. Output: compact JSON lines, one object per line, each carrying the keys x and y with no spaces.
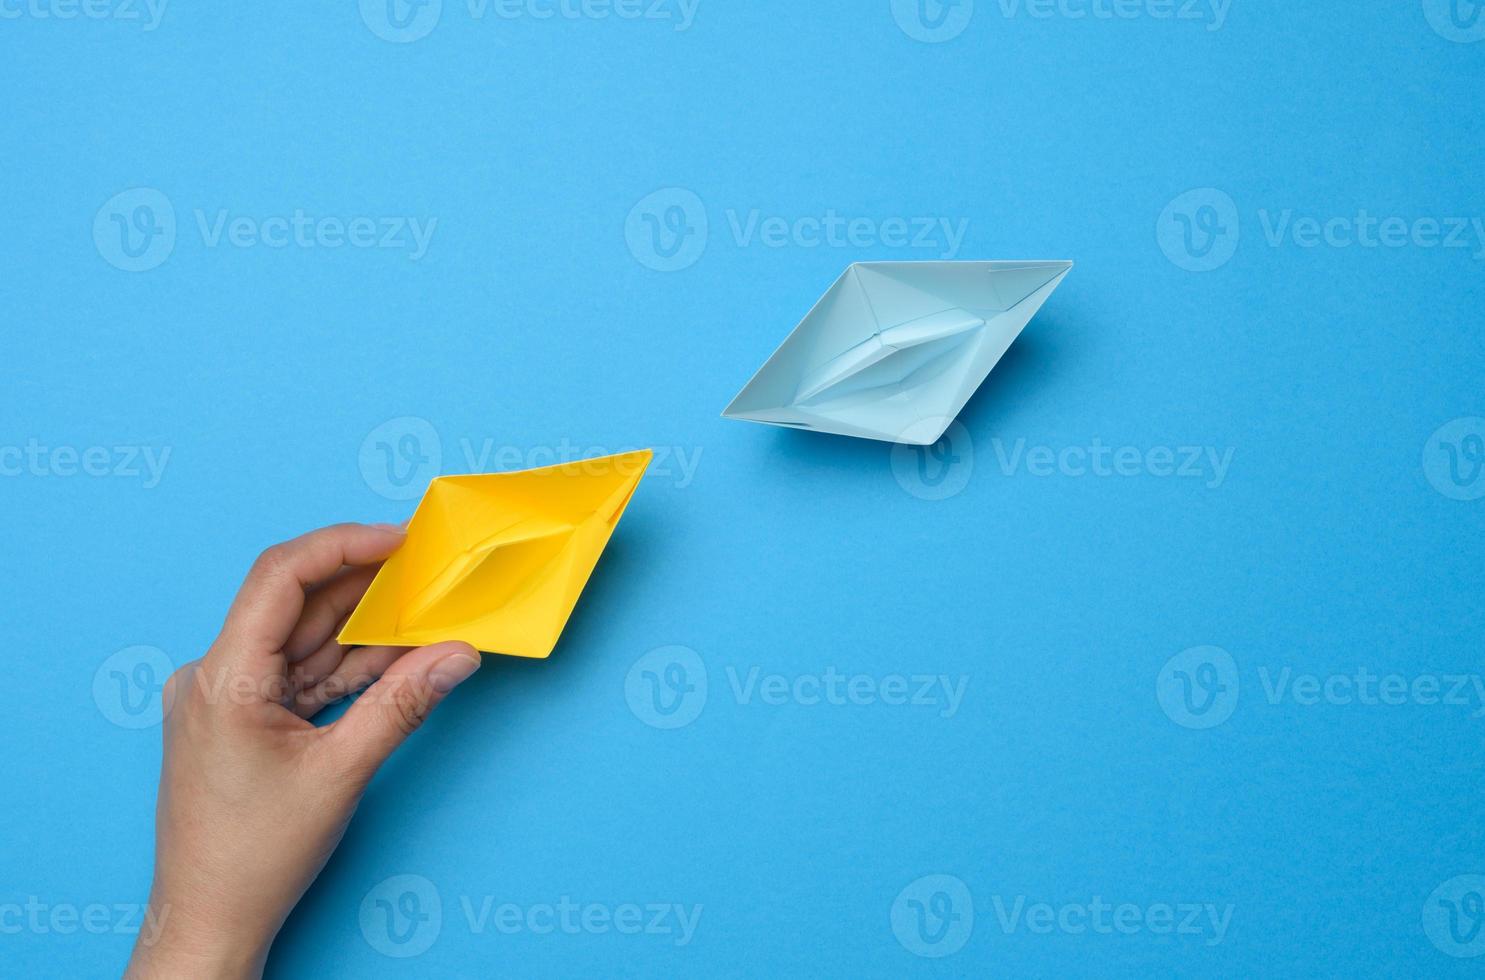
{"x":895,"y":349}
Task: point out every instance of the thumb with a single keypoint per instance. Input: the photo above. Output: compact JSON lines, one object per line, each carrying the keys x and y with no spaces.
{"x":394,"y":707}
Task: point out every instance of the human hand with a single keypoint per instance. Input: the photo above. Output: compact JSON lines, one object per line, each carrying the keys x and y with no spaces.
{"x":253,"y":797}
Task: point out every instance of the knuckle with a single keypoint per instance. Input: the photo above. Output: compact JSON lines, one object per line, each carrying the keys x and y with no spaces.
{"x":273,"y":561}
{"x":178,"y":683}
{"x":407,"y":706}
{"x":276,"y":689}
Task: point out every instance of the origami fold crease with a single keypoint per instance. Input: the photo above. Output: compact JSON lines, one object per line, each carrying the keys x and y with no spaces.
{"x":498,"y":560}
{"x":894,"y":350}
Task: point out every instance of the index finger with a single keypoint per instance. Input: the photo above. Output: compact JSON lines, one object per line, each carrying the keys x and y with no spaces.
{"x":272,"y":597}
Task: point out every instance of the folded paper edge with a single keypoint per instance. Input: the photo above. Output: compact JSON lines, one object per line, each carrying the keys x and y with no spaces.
{"x":1064,"y":266}
{"x":375,"y":638}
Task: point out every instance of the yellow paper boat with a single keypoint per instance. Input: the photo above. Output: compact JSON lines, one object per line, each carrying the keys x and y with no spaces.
{"x":498,"y":560}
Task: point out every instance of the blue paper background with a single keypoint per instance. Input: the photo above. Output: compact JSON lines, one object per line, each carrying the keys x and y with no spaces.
{"x":533,"y":321}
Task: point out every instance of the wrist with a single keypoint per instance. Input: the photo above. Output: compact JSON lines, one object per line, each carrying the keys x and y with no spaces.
{"x":181,"y":940}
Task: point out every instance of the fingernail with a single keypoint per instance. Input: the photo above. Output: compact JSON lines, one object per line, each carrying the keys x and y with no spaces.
{"x":452,"y":671}
{"x":394,"y":528}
